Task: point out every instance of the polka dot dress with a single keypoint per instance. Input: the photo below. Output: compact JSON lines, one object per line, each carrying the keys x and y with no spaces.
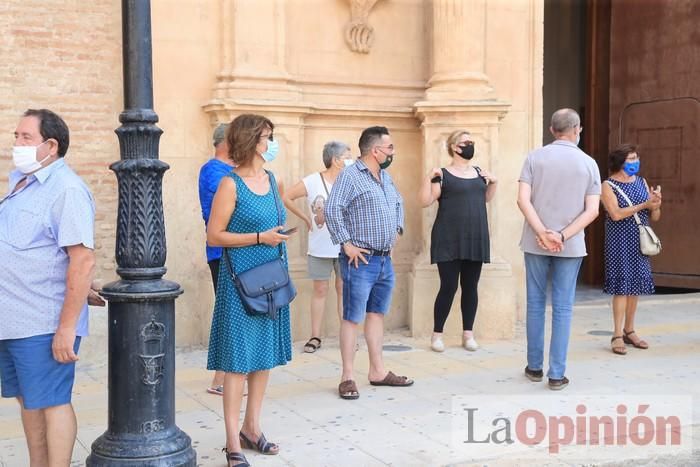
{"x":627,"y":270}
{"x":238,"y":342}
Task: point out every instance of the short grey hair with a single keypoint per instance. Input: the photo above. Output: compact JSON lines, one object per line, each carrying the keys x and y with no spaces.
{"x":333,"y":150}
{"x":565,"y":119}
{"x":219,"y":134}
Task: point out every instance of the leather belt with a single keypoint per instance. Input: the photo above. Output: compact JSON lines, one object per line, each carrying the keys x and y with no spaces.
{"x":380,"y":252}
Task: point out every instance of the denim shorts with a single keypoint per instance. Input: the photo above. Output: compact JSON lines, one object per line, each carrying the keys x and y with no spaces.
{"x":320,"y":268}
{"x":367,"y":288}
{"x":28,"y":370}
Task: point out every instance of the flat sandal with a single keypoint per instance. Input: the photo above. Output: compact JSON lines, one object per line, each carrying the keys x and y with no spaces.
{"x":640,"y":344}
{"x":621,"y":349}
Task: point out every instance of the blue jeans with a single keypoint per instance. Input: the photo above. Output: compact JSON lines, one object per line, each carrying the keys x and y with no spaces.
{"x":367,"y":288}
{"x":564,"y":272}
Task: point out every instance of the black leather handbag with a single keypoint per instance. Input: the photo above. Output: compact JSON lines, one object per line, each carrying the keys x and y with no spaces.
{"x":265,"y":288}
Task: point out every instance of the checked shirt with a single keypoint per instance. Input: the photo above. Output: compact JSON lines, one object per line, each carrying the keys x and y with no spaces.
{"x":364,"y":211}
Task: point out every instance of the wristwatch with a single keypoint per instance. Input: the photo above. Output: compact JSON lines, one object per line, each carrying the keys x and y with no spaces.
{"x":561,"y":232}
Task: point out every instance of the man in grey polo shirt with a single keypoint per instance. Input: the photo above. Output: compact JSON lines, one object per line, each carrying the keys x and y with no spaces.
{"x":559,"y":194}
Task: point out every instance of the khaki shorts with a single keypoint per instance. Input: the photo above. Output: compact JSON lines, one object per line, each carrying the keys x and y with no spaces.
{"x":320,"y":268}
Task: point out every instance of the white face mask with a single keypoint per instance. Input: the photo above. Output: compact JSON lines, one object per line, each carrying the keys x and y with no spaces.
{"x":348,"y":162}
{"x":24,"y":158}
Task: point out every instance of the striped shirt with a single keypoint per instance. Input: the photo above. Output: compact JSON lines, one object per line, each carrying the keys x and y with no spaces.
{"x":363,"y":210}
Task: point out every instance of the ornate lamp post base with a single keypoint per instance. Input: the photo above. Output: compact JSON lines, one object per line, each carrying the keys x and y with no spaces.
{"x":142,"y":428}
{"x":173,"y":450}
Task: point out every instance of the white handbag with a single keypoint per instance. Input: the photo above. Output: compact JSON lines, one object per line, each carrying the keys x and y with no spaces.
{"x":649,"y":242}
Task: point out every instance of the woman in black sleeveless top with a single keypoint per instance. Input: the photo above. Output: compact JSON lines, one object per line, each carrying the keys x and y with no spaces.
{"x":460,"y":235}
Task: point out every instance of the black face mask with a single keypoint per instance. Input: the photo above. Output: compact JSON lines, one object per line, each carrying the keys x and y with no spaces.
{"x":467,"y":151}
{"x":387,"y":162}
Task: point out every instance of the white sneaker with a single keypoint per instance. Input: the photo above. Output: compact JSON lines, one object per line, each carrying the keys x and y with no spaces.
{"x":470,"y":344}
{"x":437,"y":345}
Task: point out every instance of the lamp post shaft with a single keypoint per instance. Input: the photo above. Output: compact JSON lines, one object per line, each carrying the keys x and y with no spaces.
{"x":141,"y":329}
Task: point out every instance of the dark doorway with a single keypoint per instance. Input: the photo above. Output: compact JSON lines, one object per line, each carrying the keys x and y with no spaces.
{"x":567,"y":83}
{"x":564,"y":81}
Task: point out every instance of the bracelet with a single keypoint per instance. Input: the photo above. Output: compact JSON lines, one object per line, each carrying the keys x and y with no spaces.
{"x":561,"y":232}
{"x":257,"y":237}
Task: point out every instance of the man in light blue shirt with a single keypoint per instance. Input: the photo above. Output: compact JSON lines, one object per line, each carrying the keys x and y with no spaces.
{"x":46,"y":245}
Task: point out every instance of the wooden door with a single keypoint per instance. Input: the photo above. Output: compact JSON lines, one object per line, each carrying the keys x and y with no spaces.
{"x":655,"y":104}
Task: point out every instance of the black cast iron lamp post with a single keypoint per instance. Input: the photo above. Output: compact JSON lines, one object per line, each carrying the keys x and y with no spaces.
{"x":141,"y":427}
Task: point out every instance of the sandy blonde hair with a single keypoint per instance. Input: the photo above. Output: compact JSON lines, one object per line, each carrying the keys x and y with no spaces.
{"x":453,"y":139}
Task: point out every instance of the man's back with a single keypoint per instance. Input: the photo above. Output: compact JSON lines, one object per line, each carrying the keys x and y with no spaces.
{"x":561,"y":176}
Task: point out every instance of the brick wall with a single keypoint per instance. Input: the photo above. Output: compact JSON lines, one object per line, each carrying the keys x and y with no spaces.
{"x":65,"y":55}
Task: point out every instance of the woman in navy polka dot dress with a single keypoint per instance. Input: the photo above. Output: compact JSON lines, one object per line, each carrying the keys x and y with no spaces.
{"x":244,"y":219}
{"x":627,"y":270}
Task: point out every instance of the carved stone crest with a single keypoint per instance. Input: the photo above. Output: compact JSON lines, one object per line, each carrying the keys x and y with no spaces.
{"x":359,"y":35}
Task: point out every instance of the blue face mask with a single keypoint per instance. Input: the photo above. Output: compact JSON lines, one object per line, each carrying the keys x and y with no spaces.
{"x":631,"y":168}
{"x":273,"y":147}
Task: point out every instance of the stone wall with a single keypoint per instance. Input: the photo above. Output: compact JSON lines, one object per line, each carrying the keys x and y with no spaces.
{"x":66,"y":56}
{"x":430,"y":67}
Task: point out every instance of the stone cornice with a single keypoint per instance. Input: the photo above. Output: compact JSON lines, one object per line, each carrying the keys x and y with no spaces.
{"x":437,"y":112}
{"x":218,"y":109}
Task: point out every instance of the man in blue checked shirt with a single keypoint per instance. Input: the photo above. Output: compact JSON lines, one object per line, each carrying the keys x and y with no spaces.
{"x":364,"y":213}
{"x":46,"y":244}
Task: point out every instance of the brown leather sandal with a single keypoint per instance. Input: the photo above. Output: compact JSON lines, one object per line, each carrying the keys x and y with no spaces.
{"x":311,"y":346}
{"x":392,"y":380}
{"x":348,"y":390}
{"x":618,"y":349}
{"x":639,"y":343}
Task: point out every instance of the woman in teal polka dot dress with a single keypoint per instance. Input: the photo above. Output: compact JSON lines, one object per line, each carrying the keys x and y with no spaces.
{"x":246,"y":217}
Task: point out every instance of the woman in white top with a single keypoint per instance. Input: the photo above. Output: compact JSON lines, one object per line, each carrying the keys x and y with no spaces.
{"x":322,"y":253}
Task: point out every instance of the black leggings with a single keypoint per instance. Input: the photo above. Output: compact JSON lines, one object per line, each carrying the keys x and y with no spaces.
{"x":467,"y":274}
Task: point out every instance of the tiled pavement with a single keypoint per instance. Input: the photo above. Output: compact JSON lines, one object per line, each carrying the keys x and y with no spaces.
{"x":410,"y":426}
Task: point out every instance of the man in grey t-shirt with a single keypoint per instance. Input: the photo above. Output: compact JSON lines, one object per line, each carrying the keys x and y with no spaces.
{"x":559,"y":194}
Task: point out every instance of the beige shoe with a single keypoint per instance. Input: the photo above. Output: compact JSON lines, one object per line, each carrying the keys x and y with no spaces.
{"x":437,"y":345}
{"x":469,"y":344}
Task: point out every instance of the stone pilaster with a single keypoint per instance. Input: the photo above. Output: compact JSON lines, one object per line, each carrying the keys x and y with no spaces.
{"x":496,"y":315}
{"x":458,"y":58}
{"x":253,"y":60}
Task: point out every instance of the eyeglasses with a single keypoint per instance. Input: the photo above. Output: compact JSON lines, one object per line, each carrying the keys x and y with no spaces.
{"x":388,"y":146}
{"x":268,"y":137}
{"x":467,"y":143}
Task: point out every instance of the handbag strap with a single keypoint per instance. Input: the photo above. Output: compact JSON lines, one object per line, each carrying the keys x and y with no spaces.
{"x":626,"y":198}
{"x":276,"y":196}
{"x":325,"y":187}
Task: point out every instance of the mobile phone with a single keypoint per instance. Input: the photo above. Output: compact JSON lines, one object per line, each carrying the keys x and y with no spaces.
{"x":289,"y":231}
{"x":436,"y":179}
